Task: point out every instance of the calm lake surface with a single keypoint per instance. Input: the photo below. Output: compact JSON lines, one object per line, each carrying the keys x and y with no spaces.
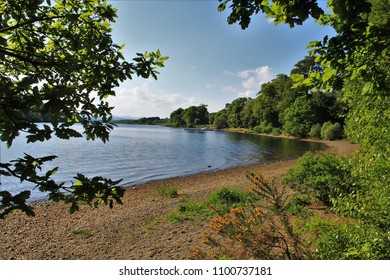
{"x":138,"y":154}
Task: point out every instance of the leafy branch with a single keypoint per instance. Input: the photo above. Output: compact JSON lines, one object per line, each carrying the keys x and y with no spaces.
{"x":29,"y":22}
{"x":93,"y":192}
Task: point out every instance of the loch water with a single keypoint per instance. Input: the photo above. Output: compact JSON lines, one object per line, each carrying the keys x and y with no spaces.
{"x":138,"y":154}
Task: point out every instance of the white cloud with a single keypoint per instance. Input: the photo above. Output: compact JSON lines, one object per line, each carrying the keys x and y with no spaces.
{"x":247,"y":93}
{"x":254,"y":78}
{"x":143,"y":101}
{"x":251,"y":81}
{"x":271,"y":20}
{"x":230,"y":89}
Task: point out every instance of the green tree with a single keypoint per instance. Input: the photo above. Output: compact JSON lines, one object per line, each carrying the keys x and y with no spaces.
{"x":247,"y":116}
{"x":267,"y":106}
{"x":299,"y":117}
{"x":290,"y":12}
{"x":176,"y":118}
{"x":191,"y":116}
{"x":58,"y":60}
{"x":234,"y":112}
{"x":360,"y":43}
{"x":221,"y":119}
{"x":306,"y":66}
{"x":202,"y":114}
{"x":195,"y":115}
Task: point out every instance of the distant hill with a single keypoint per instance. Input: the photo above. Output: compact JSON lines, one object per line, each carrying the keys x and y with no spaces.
{"x":146,"y":121}
{"x":115,"y":118}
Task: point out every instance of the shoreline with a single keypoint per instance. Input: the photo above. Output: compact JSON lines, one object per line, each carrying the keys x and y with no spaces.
{"x":326,"y":146}
{"x":138,"y":229}
{"x":341,"y":148}
{"x":134,"y":185}
{"x":335,"y":147}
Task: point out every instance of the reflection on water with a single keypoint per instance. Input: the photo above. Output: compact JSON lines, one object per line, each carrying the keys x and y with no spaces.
{"x":138,"y":154}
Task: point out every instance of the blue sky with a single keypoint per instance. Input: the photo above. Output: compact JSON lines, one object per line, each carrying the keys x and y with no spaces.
{"x":210,"y":62}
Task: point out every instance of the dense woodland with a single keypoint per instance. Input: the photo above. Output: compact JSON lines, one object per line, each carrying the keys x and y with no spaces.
{"x":143,"y":121}
{"x":278,"y":108}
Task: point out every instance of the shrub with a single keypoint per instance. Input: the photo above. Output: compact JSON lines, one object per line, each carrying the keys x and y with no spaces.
{"x":226,"y":198}
{"x":330,"y":131}
{"x":297,"y":204}
{"x":264,"y":127}
{"x":323,"y":176}
{"x":221,"y":201}
{"x":276,"y":131}
{"x":168,"y":191}
{"x":258,"y":230}
{"x":257,"y":129}
{"x":315,"y":131}
{"x":325,"y":126}
{"x":350,"y":241}
{"x":335,"y":132}
{"x":189,"y":211}
{"x":369,"y":202}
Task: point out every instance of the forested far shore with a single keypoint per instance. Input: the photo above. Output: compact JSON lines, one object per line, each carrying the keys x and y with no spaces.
{"x":144,"y":121}
{"x":278,"y":108}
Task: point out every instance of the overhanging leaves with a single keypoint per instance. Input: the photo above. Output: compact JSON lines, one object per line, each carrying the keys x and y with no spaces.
{"x":54,"y":57}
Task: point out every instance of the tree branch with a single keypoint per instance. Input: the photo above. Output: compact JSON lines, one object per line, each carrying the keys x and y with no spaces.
{"x":26,"y":59}
{"x":29,"y":22}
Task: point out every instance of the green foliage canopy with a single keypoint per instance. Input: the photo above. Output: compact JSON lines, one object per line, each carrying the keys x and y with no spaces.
{"x":281,"y":106}
{"x":299,"y":117}
{"x":58,"y":59}
{"x":189,"y":117}
{"x":361,"y":40}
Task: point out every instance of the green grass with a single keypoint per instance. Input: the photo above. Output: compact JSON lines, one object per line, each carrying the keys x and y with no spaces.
{"x":168,"y":191}
{"x":189,"y":211}
{"x":222,"y":200}
{"x":226,"y":198}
